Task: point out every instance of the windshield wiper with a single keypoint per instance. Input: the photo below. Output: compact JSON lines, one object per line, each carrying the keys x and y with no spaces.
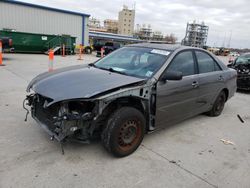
{"x":113,"y":70}
{"x":108,"y":69}
{"x":92,"y":65}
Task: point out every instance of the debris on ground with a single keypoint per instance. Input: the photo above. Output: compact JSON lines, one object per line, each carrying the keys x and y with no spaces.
{"x":242,"y":121}
{"x":210,"y":151}
{"x":227,"y":142}
{"x":173,"y":161}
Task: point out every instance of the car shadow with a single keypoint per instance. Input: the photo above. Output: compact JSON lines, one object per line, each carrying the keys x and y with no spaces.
{"x":243,"y":91}
{"x":74,"y":145}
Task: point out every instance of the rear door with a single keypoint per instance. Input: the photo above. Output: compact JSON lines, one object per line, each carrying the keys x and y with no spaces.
{"x":211,"y":80}
{"x":176,"y":100}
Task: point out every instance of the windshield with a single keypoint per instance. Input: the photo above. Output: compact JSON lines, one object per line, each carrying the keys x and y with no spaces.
{"x":244,"y":59}
{"x":134,"y":61}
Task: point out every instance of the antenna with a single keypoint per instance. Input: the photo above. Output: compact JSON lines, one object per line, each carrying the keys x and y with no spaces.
{"x":229,"y":41}
{"x":223,"y":44}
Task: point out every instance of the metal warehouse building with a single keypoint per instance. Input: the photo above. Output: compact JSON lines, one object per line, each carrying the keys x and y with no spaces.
{"x":30,"y":18}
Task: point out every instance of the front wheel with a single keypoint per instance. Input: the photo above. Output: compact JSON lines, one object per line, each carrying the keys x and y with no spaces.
{"x":218,"y":105}
{"x":124,"y":131}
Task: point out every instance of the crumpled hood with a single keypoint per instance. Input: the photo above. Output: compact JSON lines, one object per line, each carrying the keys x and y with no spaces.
{"x":78,"y":82}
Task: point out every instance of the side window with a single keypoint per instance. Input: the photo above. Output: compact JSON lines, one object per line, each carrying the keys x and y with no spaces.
{"x":184,"y":63}
{"x":206,"y":63}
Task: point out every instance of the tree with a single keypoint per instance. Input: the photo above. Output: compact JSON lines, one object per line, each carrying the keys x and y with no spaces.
{"x":170,"y":38}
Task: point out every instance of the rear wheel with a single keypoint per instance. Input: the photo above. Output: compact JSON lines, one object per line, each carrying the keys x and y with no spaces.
{"x":218,"y":105}
{"x":88,"y":50}
{"x":124,"y":131}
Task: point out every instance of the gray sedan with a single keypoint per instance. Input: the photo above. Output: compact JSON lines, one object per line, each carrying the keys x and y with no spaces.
{"x":132,"y":91}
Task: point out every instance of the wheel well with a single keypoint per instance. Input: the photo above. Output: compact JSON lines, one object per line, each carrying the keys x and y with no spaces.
{"x":125,"y":101}
{"x":225,"y":90}
{"x":121,"y":102}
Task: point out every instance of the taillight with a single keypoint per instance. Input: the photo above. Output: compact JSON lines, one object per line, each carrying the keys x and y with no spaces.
{"x":10,"y":42}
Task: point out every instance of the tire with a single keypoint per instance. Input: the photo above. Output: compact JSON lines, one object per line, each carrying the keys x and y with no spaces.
{"x":88,"y":50}
{"x":124,"y":131}
{"x":218,"y":105}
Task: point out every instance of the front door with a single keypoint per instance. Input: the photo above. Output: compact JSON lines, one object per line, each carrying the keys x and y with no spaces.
{"x":177,"y":100}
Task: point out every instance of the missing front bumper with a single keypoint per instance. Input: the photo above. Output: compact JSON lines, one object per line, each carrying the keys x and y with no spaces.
{"x":53,"y":135}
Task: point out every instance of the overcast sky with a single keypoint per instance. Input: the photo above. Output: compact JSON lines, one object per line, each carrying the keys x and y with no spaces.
{"x":170,"y":16}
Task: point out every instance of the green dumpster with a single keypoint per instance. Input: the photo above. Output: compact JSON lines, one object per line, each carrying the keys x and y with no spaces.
{"x":39,"y":43}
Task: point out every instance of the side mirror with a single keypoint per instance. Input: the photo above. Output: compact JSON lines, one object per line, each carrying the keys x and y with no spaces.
{"x":229,"y":65}
{"x":171,"y":75}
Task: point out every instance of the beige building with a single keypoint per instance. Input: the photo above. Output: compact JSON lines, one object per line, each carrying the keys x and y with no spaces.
{"x":111,"y":25}
{"x":126,"y":21}
{"x":157,"y":35}
{"x":94,"y":23}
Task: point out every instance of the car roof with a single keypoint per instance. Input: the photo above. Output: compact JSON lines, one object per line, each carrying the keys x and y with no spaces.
{"x":173,"y":47}
{"x":170,"y":47}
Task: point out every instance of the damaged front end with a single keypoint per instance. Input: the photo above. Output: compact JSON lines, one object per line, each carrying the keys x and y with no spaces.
{"x":80,"y":110}
{"x":243,"y":78}
{"x":61,"y":120}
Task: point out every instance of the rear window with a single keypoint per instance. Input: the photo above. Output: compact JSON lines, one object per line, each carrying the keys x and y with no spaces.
{"x":206,"y":63}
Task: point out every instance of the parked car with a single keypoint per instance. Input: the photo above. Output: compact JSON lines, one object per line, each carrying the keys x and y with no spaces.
{"x":233,"y":56}
{"x":6,"y":43}
{"x":134,"y":90}
{"x":222,"y":52}
{"x":242,"y":65}
{"x":98,"y":44}
{"x":108,"y":48}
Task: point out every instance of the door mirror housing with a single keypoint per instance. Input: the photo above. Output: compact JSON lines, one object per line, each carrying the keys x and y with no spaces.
{"x":171,"y":75}
{"x":230,"y":65}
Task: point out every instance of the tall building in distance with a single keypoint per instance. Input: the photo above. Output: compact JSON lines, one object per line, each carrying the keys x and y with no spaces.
{"x":126,"y":21}
{"x":144,"y":31}
{"x":111,"y":26}
{"x":94,"y":23}
{"x":196,"y":35}
{"x":157,"y":36}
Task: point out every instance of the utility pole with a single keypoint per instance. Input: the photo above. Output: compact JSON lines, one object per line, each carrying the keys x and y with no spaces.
{"x":134,"y":5}
{"x":229,"y":41}
{"x":223,"y":44}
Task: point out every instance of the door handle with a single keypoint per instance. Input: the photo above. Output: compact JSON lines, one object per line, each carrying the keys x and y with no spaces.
{"x":195,"y":84}
{"x":220,"y":78}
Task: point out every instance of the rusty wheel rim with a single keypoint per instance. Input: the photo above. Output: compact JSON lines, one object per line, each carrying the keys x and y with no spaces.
{"x":129,"y":135}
